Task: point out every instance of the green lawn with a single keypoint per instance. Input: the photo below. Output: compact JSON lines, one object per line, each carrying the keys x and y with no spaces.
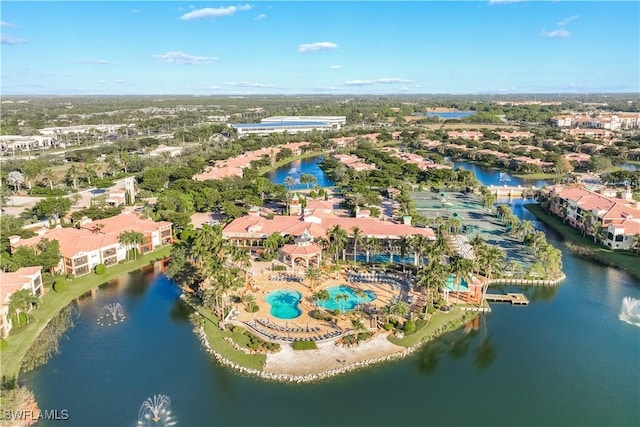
{"x":539,"y":175}
{"x":622,"y":259}
{"x":20,"y":340}
{"x":440,"y":322}
{"x":216,"y":339}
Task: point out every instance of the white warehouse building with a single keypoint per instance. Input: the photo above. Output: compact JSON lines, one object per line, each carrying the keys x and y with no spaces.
{"x":290,"y":124}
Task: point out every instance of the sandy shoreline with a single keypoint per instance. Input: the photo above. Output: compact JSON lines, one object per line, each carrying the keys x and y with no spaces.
{"x":329,"y":360}
{"x":328,"y":356}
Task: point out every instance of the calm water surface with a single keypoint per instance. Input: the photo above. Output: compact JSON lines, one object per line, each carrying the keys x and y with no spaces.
{"x":564,"y":360}
{"x":298,"y":167}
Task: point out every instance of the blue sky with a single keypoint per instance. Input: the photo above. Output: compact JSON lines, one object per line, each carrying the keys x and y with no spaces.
{"x":261,"y":47}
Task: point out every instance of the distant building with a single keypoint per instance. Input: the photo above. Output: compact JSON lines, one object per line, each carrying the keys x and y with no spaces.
{"x":510,"y":136}
{"x":470,"y":135}
{"x":290,"y":124}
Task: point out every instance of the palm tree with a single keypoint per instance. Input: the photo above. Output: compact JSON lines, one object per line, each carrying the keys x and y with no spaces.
{"x":340,"y":299}
{"x":131,"y":239}
{"x":289,"y":182}
{"x":21,"y":301}
{"x":321,"y":295}
{"x":48,"y":174}
{"x":492,"y":258}
{"x":635,"y":243}
{"x":357,"y":238}
{"x":313,"y":275}
{"x":396,"y":307}
{"x":461,"y":268}
{"x":430,"y":277}
{"x":72,"y":175}
{"x":338,"y":239}
{"x":488,"y":199}
{"x":239,"y":257}
{"x":370,"y":244}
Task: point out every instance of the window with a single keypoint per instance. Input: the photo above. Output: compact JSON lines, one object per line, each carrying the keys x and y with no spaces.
{"x":619,"y":237}
{"x":81,"y":260}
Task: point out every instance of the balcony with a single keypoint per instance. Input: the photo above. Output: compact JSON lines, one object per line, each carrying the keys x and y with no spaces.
{"x":80,"y":260}
{"x":79,"y":271}
{"x":109,"y":253}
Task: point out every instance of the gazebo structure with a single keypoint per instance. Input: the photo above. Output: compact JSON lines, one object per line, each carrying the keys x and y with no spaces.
{"x":303,"y":251}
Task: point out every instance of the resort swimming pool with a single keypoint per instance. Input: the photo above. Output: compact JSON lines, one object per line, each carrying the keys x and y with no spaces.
{"x":353,"y":299}
{"x":284,"y":303}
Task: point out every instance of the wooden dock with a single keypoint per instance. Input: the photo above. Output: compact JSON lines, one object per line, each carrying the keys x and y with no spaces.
{"x":514,"y":299}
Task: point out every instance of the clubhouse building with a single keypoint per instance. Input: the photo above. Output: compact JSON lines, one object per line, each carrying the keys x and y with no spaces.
{"x":308,"y":225}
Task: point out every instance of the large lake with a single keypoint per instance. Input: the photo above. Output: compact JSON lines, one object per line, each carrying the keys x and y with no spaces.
{"x":565,"y":360}
{"x":298,"y":167}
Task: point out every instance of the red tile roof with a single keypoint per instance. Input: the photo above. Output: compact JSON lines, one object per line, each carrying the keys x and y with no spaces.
{"x":11,"y":282}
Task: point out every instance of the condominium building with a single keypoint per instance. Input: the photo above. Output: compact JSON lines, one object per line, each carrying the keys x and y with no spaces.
{"x":98,"y":242}
{"x":29,"y":278}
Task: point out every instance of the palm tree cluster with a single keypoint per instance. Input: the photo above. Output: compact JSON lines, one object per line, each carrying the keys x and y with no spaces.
{"x":206,"y":261}
{"x":132,"y":240}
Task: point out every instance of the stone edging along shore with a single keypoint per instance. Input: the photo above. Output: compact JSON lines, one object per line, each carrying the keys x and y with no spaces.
{"x":532,"y":282}
{"x":322,"y":375}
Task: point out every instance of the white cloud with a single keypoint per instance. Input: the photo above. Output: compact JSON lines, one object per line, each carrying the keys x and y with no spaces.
{"x":260,"y":17}
{"x":313,"y":47}
{"x":560,"y":33}
{"x":120,"y":80}
{"x":336,"y":67}
{"x":393,"y":80}
{"x":7,"y":24}
{"x":136,"y":10}
{"x":184,"y":58}
{"x":7,"y":39}
{"x":248,"y":84}
{"x":102,"y":82}
{"x":566,"y":21}
{"x":92,"y":61}
{"x":213,"y":12}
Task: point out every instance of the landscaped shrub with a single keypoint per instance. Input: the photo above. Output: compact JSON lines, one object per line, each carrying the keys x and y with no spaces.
{"x":3,"y":344}
{"x":252,"y":308}
{"x":431,"y":310}
{"x":409,"y":327}
{"x":100,"y":269}
{"x":362,"y":336}
{"x":253,"y":345}
{"x":304,"y":345}
{"x":316,"y":314}
{"x":60,"y":285}
{"x":349,"y":339}
{"x":273,"y":346}
{"x":388,"y":326}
